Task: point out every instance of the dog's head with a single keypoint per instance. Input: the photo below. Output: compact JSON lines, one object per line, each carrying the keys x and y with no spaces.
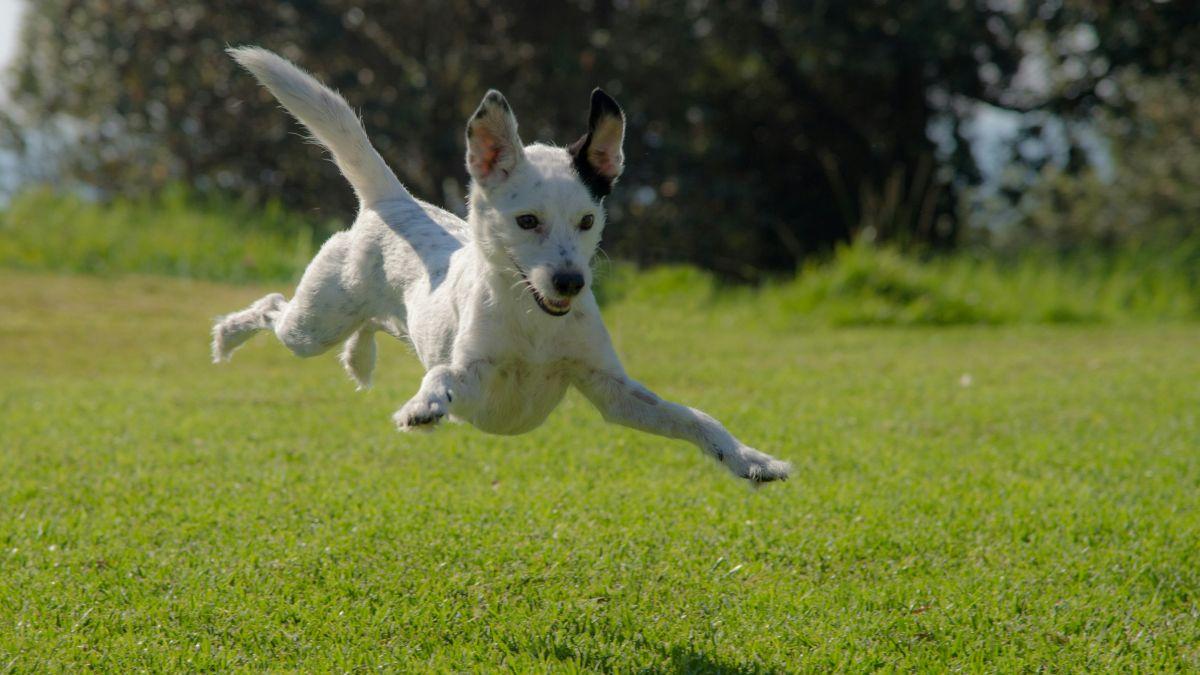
{"x":538,"y":210}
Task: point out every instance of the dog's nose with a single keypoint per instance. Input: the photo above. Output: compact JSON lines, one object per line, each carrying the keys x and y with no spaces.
{"x":568,"y":283}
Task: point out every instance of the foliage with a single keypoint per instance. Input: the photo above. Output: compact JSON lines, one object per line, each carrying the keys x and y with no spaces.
{"x":981,"y":500}
{"x":862,"y":284}
{"x":1150,"y":197}
{"x":776,"y":129}
{"x":172,"y":233}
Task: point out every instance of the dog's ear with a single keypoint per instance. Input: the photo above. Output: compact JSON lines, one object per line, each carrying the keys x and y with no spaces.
{"x":598,"y":156}
{"x":493,"y":147}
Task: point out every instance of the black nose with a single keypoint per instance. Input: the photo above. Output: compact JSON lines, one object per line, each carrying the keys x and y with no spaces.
{"x":568,"y":283}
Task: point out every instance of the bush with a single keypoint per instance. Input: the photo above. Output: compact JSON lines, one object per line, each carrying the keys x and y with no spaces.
{"x":860,"y":285}
{"x":863,"y":285}
{"x":171,"y":234}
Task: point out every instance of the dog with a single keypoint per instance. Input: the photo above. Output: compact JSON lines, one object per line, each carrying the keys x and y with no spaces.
{"x":498,"y":308}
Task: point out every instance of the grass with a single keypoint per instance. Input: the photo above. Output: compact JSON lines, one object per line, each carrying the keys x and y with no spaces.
{"x":995,"y":499}
{"x":180,"y":235}
{"x":173,"y":233}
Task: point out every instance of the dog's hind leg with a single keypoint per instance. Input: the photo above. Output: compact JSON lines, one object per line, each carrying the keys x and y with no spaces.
{"x":233,"y":330}
{"x":358,"y":355}
{"x":328,"y":306}
{"x":324,"y":311}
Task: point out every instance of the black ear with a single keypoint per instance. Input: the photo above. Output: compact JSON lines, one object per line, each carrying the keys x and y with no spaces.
{"x":598,"y":156}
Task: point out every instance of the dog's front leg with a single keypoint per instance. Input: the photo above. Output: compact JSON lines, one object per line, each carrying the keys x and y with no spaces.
{"x":442,"y":389}
{"x":623,"y":401}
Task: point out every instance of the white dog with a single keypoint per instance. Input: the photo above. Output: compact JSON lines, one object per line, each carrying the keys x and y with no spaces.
{"x":498,"y":308}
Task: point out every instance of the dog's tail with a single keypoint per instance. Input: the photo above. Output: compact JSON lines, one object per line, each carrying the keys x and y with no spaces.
{"x":329,"y":118}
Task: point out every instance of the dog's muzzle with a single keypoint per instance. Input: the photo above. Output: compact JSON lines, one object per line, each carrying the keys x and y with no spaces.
{"x":552,"y":307}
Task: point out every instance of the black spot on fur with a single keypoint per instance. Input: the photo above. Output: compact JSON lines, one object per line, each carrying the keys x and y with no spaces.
{"x":497,"y":98}
{"x":603,"y":105}
{"x":599,"y":186}
{"x":596,"y":184}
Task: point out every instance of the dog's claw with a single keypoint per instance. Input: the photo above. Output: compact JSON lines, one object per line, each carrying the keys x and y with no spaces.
{"x":419,"y":414}
{"x":756,"y":467}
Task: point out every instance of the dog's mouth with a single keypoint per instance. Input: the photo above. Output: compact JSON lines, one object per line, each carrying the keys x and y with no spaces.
{"x":547,"y":305}
{"x":551,"y":307}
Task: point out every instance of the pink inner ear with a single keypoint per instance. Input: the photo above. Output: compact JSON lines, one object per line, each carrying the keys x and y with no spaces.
{"x":486,"y":152}
{"x":604,"y":152}
{"x":603,"y":162}
{"x":484,"y":155}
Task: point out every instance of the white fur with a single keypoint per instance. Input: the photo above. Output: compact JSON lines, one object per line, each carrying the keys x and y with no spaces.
{"x":454,"y":289}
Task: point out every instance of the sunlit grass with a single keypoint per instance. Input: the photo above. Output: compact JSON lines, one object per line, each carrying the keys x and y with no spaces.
{"x":992,"y":499}
{"x":177,"y":234}
{"x":170,"y":234}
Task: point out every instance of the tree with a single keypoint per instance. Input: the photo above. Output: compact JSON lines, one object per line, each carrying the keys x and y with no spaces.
{"x":759,"y":132}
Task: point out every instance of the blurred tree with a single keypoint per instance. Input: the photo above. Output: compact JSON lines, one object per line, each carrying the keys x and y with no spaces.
{"x":760,"y":132}
{"x":807,"y":122}
{"x":147,"y":96}
{"x":1148,"y":200}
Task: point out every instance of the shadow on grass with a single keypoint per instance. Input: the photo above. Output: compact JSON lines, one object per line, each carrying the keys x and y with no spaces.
{"x":683,"y":660}
{"x":678,"y":660}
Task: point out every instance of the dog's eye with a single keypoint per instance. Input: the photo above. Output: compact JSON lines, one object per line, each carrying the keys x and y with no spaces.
{"x":527,"y":221}
{"x":586,"y":222}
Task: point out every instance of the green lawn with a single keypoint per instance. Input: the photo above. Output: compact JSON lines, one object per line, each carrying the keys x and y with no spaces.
{"x":983,"y":499}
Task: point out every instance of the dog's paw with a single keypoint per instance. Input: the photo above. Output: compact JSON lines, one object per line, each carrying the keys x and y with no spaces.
{"x":422,"y":413}
{"x":756,"y":467}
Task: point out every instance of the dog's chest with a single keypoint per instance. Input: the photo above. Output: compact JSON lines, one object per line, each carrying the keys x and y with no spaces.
{"x":518,"y":395}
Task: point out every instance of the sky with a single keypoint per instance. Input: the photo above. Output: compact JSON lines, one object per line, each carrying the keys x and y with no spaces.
{"x":10,"y":21}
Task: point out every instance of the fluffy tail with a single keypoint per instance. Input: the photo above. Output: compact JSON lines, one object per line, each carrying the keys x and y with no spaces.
{"x":329,"y":118}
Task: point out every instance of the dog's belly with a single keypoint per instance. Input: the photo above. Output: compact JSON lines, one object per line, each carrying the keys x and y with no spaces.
{"x":518,"y":396}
